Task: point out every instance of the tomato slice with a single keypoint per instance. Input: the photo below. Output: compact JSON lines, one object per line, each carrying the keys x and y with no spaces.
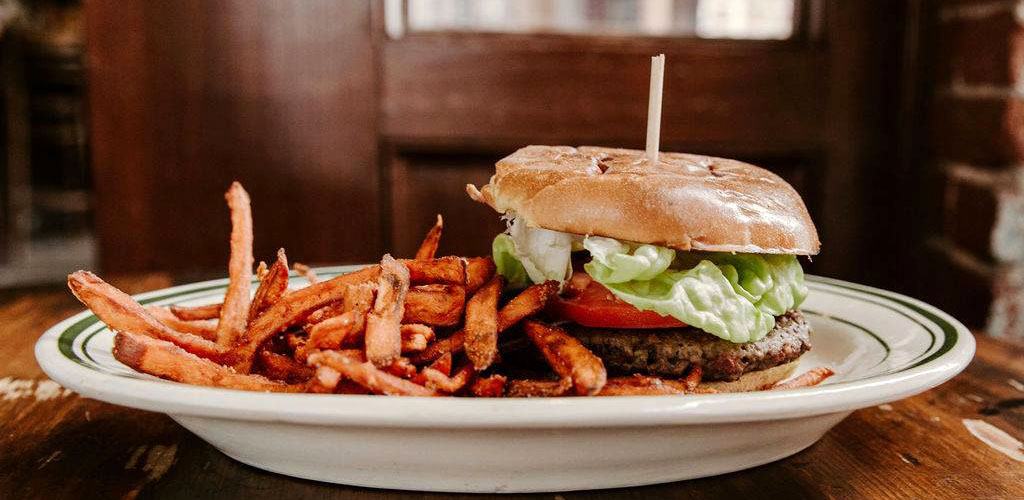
{"x":589,"y":303}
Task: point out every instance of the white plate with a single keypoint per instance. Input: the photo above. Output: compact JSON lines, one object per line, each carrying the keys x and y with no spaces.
{"x":883,"y":346}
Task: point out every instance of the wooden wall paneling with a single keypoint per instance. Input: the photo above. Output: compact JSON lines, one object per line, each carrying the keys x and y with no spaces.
{"x":190,"y":95}
{"x":745,"y":97}
{"x":122,"y":156}
{"x":427,"y":184}
{"x":915,"y":184}
{"x":861,"y":141}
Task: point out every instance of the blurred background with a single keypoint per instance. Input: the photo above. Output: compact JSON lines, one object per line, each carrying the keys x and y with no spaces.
{"x":352,"y":123}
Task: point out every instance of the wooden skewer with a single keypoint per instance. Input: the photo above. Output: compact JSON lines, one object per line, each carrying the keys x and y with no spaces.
{"x":654,"y":106}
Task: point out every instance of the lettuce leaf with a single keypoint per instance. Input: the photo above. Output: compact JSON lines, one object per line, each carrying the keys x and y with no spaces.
{"x":731,"y":296}
{"x":702,"y":297}
{"x":789,"y":290}
{"x":503,"y":252}
{"x":616,"y":262}
{"x":541,"y":253}
{"x":773,"y":283}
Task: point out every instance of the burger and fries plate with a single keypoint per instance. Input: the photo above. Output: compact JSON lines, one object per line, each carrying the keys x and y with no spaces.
{"x":691,"y":309}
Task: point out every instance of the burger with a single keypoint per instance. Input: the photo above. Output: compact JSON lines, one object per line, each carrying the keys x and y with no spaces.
{"x":687,"y":261}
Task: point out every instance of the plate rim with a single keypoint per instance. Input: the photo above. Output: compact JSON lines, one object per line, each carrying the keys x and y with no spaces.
{"x":181,"y":399}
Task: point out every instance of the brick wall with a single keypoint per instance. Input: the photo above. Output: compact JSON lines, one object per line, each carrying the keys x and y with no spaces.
{"x":977,"y":142}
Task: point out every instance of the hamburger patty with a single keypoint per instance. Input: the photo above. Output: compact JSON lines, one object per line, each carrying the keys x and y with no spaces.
{"x":669,"y":352}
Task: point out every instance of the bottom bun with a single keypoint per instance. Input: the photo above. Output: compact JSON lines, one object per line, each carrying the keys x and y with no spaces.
{"x":755,"y":381}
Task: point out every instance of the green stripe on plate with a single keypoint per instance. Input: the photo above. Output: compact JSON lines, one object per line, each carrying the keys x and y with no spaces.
{"x":950,"y":335}
{"x":931,"y":334}
{"x":880,"y":340}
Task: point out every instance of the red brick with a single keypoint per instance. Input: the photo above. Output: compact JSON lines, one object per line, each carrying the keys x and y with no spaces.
{"x":987,"y":50}
{"x":970,"y":216}
{"x":1008,"y":234}
{"x":1007,"y":311}
{"x":978,"y":130}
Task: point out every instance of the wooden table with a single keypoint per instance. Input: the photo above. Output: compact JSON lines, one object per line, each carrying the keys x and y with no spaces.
{"x":55,"y":444}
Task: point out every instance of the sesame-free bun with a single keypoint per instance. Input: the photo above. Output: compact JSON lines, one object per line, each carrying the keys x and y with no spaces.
{"x":754,"y":381}
{"x":684,"y":201}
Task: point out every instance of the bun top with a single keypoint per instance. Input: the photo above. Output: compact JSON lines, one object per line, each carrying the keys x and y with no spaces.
{"x":684,"y":201}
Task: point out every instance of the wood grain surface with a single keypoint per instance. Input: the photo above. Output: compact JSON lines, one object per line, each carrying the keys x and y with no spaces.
{"x":56,"y":444}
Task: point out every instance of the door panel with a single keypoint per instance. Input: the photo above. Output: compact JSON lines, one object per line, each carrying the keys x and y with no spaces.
{"x":430,"y":184}
{"x":744,"y":96}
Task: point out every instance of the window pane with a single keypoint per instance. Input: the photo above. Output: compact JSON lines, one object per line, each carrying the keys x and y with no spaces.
{"x":746,"y":19}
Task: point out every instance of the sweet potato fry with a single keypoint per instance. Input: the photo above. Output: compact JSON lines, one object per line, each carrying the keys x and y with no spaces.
{"x":443,"y":364}
{"x":415,"y":337}
{"x":333,"y":332}
{"x":639,"y":385}
{"x":433,"y":379}
{"x":704,"y":390}
{"x":429,"y":246}
{"x":446,"y":346}
{"x":692,"y":379}
{"x":530,"y":301}
{"x":414,"y":329}
{"x":328,"y":380}
{"x":528,"y":388}
{"x":383,"y":335}
{"x":306,"y":272}
{"x":204,"y":328}
{"x":296,"y":340}
{"x":807,"y":379}
{"x":368,"y":376}
{"x":122,"y":313}
{"x":568,"y":357}
{"x":261,"y":270}
{"x":195,"y":313}
{"x":273,"y":286}
{"x":401,"y":367}
{"x":325,"y":379}
{"x":479,"y":270}
{"x":482,"y":324}
{"x":324,"y":313}
{"x":234,"y":314}
{"x":527,"y":303}
{"x":291,"y":309}
{"x":345,"y":321}
{"x":166,"y":360}
{"x":358,"y":298}
{"x":488,"y":387}
{"x":438,"y":305}
{"x":445,"y":270}
{"x":280,"y":367}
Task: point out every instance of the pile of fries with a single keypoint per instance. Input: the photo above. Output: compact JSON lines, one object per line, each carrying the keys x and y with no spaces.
{"x":427,"y":326}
